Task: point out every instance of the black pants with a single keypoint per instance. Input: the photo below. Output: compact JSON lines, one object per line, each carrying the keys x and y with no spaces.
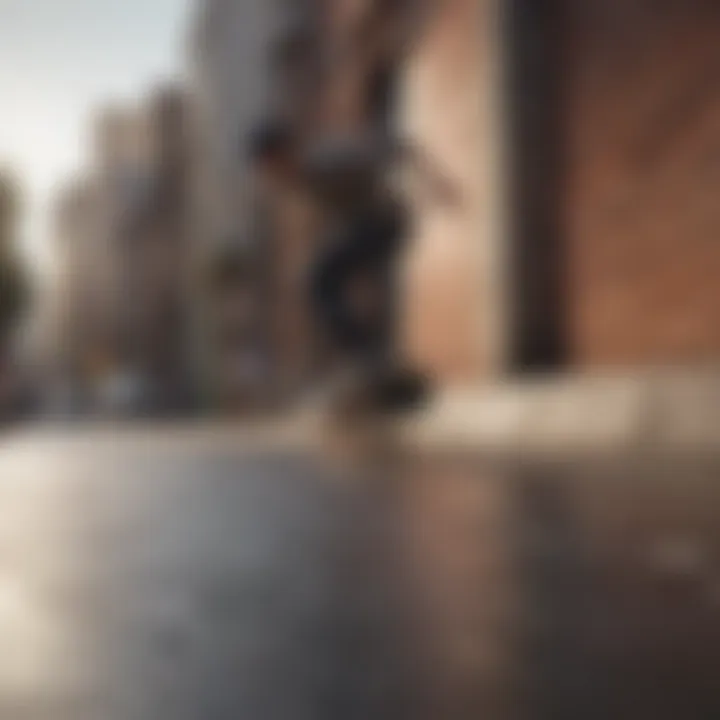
{"x":367,"y":246}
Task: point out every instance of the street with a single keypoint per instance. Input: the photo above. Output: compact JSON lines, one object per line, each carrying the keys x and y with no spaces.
{"x":194,"y":576}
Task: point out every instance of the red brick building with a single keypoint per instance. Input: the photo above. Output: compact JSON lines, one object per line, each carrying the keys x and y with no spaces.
{"x":585,"y":138}
{"x":639,"y":208}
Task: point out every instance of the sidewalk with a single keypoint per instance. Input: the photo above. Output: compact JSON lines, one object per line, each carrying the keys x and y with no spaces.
{"x":668,"y":411}
{"x":672,"y":410}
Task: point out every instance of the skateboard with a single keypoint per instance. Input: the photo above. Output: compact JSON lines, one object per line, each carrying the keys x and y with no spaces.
{"x":361,"y":423}
{"x":395,"y":393}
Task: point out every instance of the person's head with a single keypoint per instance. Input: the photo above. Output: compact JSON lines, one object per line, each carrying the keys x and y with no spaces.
{"x":271,"y":153}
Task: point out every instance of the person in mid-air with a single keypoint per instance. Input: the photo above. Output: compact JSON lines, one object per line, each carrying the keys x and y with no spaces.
{"x":366,"y":223}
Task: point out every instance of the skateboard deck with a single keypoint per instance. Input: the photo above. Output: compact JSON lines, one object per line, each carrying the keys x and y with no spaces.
{"x":359,"y":422}
{"x":395,"y":391}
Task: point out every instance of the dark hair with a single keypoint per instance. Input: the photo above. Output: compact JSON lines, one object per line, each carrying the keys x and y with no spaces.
{"x":269,"y":138}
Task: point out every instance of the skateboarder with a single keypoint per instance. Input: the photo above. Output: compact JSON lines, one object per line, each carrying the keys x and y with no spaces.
{"x":367,"y":223}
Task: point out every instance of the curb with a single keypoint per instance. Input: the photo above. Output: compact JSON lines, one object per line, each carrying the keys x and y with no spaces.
{"x":668,"y":410}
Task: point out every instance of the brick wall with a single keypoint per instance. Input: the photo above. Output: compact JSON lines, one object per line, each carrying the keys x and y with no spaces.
{"x":640,"y":205}
{"x":638,"y":211}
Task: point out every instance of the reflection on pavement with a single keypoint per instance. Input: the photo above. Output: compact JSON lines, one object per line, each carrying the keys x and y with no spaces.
{"x":201,"y":580}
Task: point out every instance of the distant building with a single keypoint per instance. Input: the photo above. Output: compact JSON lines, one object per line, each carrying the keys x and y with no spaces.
{"x":90,"y":226}
{"x":154,"y":246}
{"x":124,"y":237}
{"x":84,"y":347}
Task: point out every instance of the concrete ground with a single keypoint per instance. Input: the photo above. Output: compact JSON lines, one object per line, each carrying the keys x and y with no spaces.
{"x":214,"y":573}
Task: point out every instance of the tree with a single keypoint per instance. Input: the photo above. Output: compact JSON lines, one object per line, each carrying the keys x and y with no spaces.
{"x":13,"y":283}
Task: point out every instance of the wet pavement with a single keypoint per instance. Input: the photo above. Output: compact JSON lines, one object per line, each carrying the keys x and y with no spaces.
{"x":152,"y":576}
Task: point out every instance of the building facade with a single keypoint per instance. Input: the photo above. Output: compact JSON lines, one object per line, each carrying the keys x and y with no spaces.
{"x":581,"y":134}
{"x":155,"y":253}
{"x":124,"y":239}
{"x":87,"y":218}
{"x":80,"y":322}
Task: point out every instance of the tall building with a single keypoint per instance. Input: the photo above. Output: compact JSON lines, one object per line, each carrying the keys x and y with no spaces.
{"x":89,"y":217}
{"x":83,"y":342}
{"x":125,"y":236}
{"x":119,"y":166}
{"x":154,"y":246}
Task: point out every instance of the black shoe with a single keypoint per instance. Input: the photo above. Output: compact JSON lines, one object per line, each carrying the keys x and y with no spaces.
{"x":400,"y":390}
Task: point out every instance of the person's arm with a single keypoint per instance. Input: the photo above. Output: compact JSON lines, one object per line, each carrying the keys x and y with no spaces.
{"x":436,"y":183}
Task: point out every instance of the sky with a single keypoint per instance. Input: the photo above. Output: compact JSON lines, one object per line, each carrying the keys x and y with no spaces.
{"x":61,"y":59}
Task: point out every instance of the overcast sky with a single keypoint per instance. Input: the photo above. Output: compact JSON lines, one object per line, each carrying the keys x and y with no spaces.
{"x":59,"y":59}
